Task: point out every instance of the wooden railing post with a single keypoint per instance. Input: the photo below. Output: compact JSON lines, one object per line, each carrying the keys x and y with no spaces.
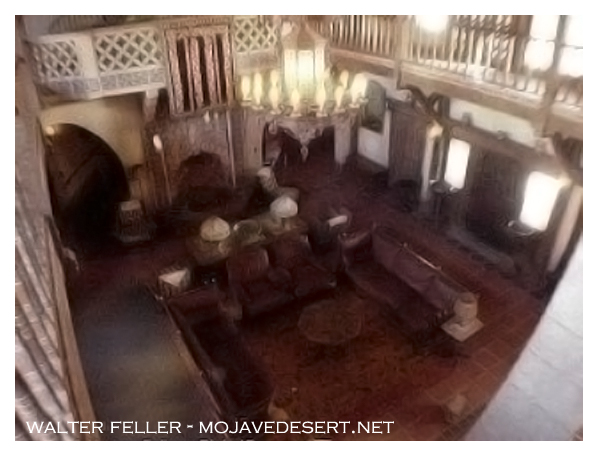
{"x":401,"y":48}
{"x":551,"y":78}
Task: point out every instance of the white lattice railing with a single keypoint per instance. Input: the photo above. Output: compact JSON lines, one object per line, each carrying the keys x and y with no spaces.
{"x":252,"y":35}
{"x":101,"y":62}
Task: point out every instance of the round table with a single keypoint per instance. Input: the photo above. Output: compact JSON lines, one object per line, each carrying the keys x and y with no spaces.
{"x":331,"y":322}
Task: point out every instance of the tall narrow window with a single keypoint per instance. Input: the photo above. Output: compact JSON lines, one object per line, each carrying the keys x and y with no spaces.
{"x":457,"y":163}
{"x":570,"y":62}
{"x":539,"y":199}
{"x":539,"y":51}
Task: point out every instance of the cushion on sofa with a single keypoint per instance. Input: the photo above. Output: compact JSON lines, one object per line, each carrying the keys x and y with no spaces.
{"x":402,"y":262}
{"x":204,"y":300}
{"x":356,"y":247}
{"x":249,"y":265}
{"x":289,"y":252}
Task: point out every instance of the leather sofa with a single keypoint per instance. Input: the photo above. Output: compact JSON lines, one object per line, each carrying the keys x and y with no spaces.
{"x":240,"y":385}
{"x":255,"y":284}
{"x":416,"y":294}
{"x":294,"y":254}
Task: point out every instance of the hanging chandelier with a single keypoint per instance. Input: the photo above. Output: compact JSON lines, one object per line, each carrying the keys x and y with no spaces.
{"x":304,"y":84}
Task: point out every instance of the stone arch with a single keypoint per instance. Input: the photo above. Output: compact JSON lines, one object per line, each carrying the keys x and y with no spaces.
{"x":118,"y":121}
{"x":87,"y":182}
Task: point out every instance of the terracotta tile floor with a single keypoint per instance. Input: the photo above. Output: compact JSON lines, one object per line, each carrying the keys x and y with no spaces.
{"x":509,"y":313}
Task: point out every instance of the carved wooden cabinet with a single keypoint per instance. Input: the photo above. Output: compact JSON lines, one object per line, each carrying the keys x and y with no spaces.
{"x":406,"y":143}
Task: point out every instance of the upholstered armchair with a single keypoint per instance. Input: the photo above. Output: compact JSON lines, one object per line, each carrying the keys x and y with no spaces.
{"x":255,"y":284}
{"x":294,"y":254}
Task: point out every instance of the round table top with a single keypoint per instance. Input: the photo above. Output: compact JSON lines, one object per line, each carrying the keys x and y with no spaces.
{"x":331,"y":322}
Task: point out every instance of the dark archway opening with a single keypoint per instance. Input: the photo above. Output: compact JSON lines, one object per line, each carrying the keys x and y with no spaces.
{"x":321,"y":155}
{"x":87,"y":182}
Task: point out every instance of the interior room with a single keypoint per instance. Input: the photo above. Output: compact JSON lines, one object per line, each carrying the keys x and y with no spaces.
{"x":368,"y":222}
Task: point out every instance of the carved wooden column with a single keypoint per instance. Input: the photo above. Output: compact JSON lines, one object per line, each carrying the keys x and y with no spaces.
{"x":254,"y":122}
{"x":433,"y":131}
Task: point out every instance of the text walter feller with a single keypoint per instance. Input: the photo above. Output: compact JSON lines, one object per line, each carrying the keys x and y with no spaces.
{"x":167,"y":427}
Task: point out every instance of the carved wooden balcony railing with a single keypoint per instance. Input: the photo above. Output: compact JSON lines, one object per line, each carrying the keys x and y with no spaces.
{"x":373,"y":37}
{"x":100,"y":62}
{"x":489,"y":59}
{"x":484,"y":59}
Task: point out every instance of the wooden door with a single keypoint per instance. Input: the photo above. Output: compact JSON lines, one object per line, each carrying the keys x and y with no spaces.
{"x":406,"y":143}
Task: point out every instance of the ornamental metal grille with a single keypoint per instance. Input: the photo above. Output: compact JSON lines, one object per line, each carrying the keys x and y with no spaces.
{"x":250,"y":34}
{"x":57,"y":60}
{"x":124,"y":50}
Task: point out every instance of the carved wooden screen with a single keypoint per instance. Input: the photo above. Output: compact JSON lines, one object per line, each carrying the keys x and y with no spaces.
{"x":201,"y":69}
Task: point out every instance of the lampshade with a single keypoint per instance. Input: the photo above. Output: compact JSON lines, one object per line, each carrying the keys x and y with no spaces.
{"x":214,"y":229}
{"x":283,"y":207}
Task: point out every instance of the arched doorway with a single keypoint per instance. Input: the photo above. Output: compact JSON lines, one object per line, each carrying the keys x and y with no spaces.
{"x":87,"y":181}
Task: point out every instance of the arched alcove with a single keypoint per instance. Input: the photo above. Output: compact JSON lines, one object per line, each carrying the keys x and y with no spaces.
{"x":87,"y":181}
{"x":117,"y":120}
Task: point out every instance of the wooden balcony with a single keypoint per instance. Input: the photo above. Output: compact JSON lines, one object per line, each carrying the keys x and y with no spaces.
{"x":481,"y":59}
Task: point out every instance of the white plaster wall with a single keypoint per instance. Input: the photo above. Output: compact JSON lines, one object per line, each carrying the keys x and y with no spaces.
{"x":375,"y":146}
{"x":117,"y":120}
{"x":518,"y":129}
{"x":372,"y":145}
{"x":542,"y":398}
